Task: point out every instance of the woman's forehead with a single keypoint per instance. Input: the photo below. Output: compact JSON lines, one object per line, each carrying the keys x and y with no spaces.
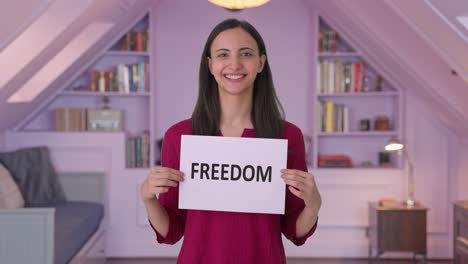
{"x":234,"y":38}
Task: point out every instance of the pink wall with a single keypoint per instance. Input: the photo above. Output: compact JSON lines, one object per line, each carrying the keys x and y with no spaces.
{"x":181,"y":31}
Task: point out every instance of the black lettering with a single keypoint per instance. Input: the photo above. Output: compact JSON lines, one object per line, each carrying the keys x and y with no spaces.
{"x":252,"y":173}
{"x":193,"y":169}
{"x":224,"y":171}
{"x":214,"y":171}
{"x":238,"y":168}
{"x":204,"y":171}
{"x":262,"y":176}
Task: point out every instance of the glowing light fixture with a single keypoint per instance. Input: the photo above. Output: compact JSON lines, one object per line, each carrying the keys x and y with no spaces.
{"x":395,"y":145}
{"x":238,"y":4}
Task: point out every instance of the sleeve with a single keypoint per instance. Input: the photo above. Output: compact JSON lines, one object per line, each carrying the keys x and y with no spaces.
{"x":294,"y":204}
{"x":170,"y":157}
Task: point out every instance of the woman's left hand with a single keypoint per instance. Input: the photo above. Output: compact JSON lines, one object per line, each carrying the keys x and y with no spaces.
{"x":302,"y":184}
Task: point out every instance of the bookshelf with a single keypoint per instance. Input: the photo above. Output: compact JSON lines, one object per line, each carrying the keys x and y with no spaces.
{"x":356,"y":110}
{"x":118,"y":82}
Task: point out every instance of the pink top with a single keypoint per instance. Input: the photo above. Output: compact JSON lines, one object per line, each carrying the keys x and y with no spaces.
{"x":213,"y":237}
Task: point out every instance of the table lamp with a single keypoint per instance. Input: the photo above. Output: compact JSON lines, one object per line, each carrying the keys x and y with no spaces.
{"x":394,"y":145}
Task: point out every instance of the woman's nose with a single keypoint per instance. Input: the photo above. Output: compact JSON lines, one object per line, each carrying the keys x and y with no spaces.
{"x":235,"y":62}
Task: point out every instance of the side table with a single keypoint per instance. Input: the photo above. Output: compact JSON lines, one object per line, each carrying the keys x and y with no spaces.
{"x":460,"y":232}
{"x":397,"y":228}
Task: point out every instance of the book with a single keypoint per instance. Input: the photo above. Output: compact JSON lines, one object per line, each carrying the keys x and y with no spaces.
{"x":389,"y":203}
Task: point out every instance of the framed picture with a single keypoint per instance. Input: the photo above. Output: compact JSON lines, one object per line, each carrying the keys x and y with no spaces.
{"x":105,"y":120}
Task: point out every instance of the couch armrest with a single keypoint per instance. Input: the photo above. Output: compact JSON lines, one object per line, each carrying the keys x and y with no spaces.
{"x":27,"y":235}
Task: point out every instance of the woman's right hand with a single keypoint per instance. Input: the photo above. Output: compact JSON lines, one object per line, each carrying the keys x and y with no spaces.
{"x":159,"y":181}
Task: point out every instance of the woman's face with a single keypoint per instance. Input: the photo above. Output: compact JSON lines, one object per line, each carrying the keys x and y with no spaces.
{"x":235,"y":61}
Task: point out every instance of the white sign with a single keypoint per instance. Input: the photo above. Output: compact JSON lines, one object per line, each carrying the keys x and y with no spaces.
{"x":233,"y":174}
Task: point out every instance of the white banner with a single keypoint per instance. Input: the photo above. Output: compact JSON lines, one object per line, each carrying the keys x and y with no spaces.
{"x":233,"y":174}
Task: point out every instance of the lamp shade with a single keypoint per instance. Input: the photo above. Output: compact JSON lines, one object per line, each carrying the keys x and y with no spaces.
{"x":394,"y":145}
{"x":238,"y":4}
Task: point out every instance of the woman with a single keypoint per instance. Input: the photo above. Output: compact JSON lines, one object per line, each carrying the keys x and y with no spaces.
{"x":236,"y":99}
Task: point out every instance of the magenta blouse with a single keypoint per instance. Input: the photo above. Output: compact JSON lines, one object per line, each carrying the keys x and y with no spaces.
{"x":213,"y":237}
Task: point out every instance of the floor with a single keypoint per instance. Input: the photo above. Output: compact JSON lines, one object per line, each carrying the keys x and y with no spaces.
{"x":290,"y":261}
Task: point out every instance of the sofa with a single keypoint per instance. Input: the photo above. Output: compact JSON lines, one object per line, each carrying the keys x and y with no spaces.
{"x":48,"y":217}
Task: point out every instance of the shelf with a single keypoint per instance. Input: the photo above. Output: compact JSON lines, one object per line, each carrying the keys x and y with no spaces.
{"x":88,"y":93}
{"x":359,"y":94}
{"x":126,"y":53}
{"x":339,"y":54}
{"x":358,"y":134}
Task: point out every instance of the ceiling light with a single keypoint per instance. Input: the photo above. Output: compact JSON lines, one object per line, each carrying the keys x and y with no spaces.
{"x":238,"y":4}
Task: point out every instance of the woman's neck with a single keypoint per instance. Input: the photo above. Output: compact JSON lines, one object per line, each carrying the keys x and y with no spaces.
{"x":236,"y":112}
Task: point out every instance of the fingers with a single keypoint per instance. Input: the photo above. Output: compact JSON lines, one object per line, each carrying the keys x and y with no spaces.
{"x":300,"y":173}
{"x":166,"y":173}
{"x":296,"y":192}
{"x":161,"y":179}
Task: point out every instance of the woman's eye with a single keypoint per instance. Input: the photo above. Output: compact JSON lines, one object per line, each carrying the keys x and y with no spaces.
{"x":246,"y":54}
{"x":222,"y":55}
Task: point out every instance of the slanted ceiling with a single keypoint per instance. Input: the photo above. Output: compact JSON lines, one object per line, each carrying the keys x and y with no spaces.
{"x":411,"y":42}
{"x":119,"y":13}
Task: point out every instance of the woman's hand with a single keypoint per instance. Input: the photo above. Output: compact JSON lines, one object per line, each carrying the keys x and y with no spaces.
{"x":159,"y":181}
{"x":302,"y":184}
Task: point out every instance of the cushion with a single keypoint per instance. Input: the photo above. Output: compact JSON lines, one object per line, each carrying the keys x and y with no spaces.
{"x":75,"y":223}
{"x":10,"y":195}
{"x":35,"y":175}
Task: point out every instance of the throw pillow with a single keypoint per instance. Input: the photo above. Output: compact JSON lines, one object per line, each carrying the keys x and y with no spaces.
{"x":10,"y":195}
{"x":32,"y":170}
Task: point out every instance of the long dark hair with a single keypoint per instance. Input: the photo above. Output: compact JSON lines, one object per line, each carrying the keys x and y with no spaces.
{"x":267,"y":113}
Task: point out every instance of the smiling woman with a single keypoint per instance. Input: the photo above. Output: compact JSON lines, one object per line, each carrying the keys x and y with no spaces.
{"x":236,"y":99}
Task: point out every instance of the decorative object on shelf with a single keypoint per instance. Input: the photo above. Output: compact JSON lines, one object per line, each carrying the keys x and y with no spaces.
{"x":364,"y":124}
{"x":236,"y":5}
{"x":378,"y":87}
{"x":105,"y":119}
{"x":381,"y":123}
{"x":385,"y":159}
{"x":367,"y":164}
{"x":396,"y":145}
{"x":334,"y":161}
{"x":365,"y":84}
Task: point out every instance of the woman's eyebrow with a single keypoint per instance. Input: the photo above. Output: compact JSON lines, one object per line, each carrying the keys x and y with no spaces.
{"x":228,"y":50}
{"x":219,"y":50}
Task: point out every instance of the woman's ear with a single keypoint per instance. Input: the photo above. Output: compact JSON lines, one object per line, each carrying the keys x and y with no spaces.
{"x":262,"y":63}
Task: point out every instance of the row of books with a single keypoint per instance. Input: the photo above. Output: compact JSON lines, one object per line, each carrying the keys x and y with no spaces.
{"x":86,"y":119}
{"x":332,"y":117}
{"x":138,"y":151}
{"x":134,"y":41}
{"x":327,"y":41}
{"x":340,"y":77}
{"x":126,"y":78}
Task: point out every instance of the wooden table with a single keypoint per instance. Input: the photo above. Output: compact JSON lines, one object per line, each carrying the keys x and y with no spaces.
{"x":397,"y":228}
